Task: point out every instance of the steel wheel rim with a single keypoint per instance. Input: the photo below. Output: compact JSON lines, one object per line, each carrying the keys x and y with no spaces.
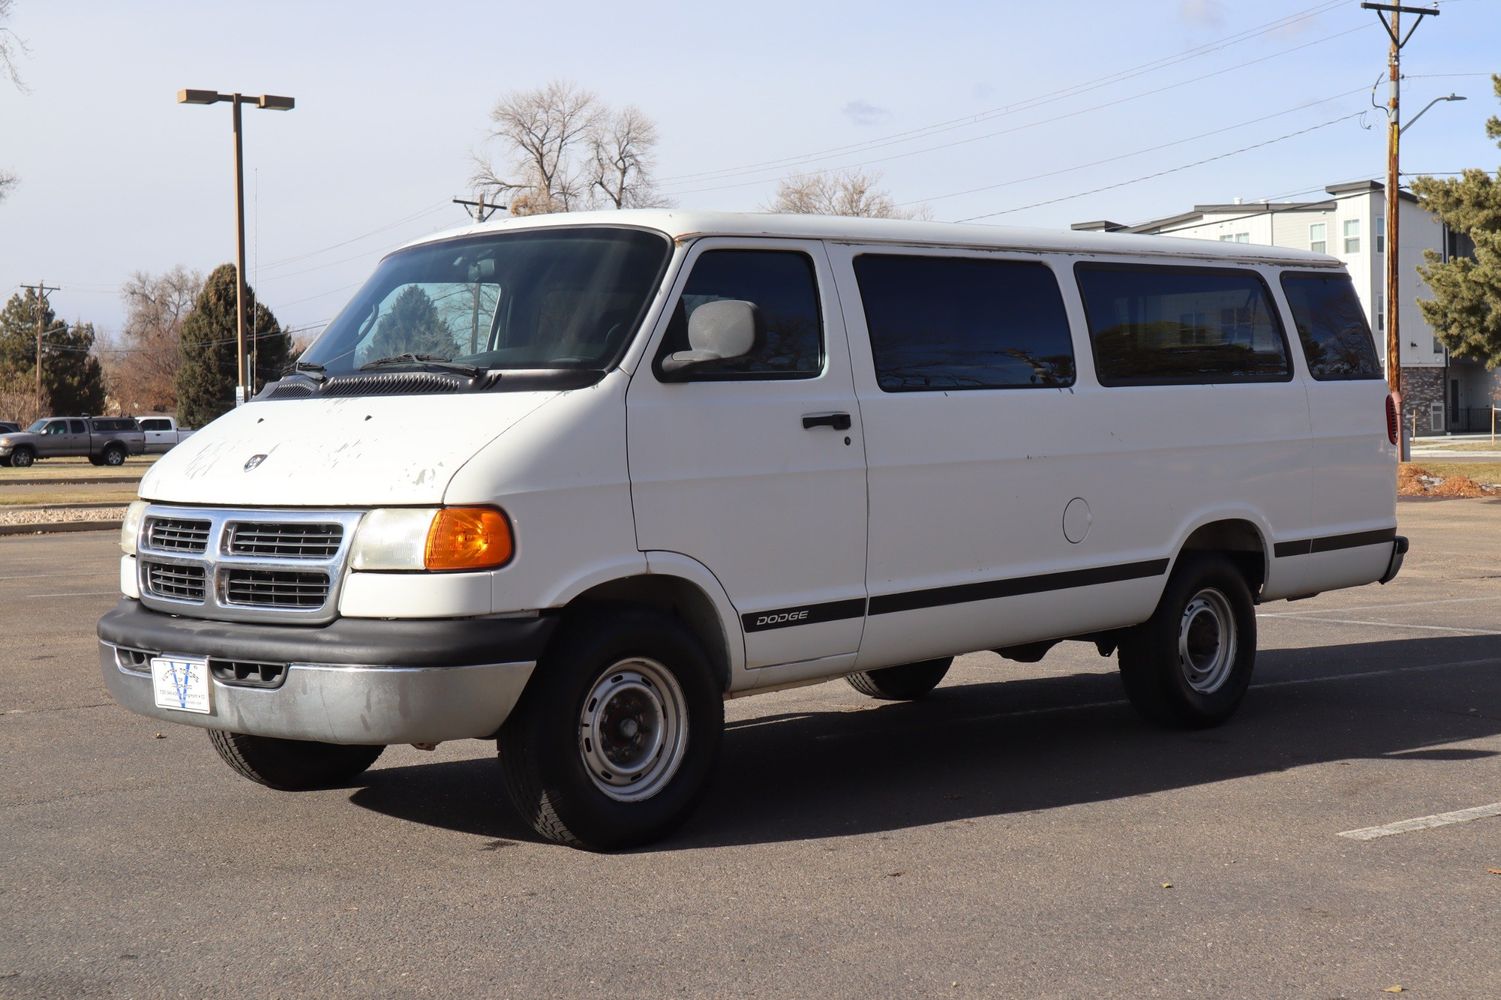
{"x":1206,"y":641}
{"x":633,"y":728}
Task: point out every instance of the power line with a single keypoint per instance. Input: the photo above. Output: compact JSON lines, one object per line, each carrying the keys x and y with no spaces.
{"x":1047,"y":121}
{"x":1169,"y":170}
{"x":1071,"y":91}
{"x":1138,"y":152}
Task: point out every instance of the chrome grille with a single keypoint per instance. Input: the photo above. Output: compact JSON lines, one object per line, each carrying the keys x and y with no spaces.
{"x":173,"y":534}
{"x":257,"y":588}
{"x":264,"y":565}
{"x":175,"y":583}
{"x":284,"y":540}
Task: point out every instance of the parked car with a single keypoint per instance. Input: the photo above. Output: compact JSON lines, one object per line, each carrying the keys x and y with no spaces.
{"x":103,"y":440}
{"x":162,"y":434}
{"x":6,"y":427}
{"x":679,"y":457}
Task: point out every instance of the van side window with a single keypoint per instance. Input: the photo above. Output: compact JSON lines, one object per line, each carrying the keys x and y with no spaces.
{"x":1164,"y":325}
{"x":1332,"y":326}
{"x":789,"y":328}
{"x":964,"y":323}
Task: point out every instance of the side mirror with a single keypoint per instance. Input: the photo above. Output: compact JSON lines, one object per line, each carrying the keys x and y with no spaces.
{"x":717,"y":331}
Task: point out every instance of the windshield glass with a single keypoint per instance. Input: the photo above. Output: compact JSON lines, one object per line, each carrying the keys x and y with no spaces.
{"x":36,"y":428}
{"x":538,"y":299}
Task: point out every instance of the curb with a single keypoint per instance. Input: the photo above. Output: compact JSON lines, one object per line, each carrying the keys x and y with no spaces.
{"x":56,"y":527}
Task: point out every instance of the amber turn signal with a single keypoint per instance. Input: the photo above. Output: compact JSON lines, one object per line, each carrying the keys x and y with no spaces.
{"x":469,"y":538}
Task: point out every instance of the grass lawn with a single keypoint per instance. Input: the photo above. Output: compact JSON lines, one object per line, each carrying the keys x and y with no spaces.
{"x":121,"y":493}
{"x":1485,"y":473}
{"x":52,"y":469}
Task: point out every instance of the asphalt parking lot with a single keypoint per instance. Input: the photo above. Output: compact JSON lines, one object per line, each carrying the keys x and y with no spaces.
{"x":1018,"y":834}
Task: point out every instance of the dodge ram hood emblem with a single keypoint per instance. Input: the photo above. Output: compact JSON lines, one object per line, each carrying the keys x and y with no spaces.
{"x":253,"y":461}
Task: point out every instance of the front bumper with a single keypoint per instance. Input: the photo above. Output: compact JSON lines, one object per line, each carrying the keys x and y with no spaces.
{"x":351,"y":681}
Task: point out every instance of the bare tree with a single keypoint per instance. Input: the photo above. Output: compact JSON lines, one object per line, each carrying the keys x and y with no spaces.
{"x":622,"y":145}
{"x":144,"y":376}
{"x":849,"y":192}
{"x":567,"y":151}
{"x":11,"y":46}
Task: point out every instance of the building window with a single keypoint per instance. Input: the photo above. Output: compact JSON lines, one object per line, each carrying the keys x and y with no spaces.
{"x":1352,"y":236}
{"x":1235,"y":238}
{"x":1438,"y":346}
{"x":1379,"y":308}
{"x":1381,"y":234}
{"x":1435,"y":416}
{"x":1317,"y":237}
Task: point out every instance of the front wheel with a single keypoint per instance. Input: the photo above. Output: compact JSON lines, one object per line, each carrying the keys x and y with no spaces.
{"x":613,"y":740}
{"x":1189,"y":665}
{"x":906,"y":682}
{"x":22,"y":457}
{"x":292,"y":765}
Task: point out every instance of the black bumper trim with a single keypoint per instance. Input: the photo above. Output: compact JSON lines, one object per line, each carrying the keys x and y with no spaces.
{"x":425,"y":642}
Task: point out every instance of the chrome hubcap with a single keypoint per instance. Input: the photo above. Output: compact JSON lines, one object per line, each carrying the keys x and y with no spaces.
{"x":633,"y":729}
{"x":1206,"y":641}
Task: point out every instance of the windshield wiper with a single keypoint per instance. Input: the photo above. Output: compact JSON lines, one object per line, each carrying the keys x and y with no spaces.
{"x":428,"y":361}
{"x":311,"y":369}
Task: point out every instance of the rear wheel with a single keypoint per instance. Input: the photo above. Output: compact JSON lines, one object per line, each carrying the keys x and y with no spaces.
{"x":292,"y":765}
{"x":907,"y":682}
{"x":613,"y":740}
{"x":22,"y":457}
{"x":1189,"y":665}
{"x":114,"y":455}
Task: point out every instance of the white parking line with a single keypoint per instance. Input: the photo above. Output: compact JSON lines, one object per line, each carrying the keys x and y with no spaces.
{"x":1356,"y":621}
{"x":1424,"y":822}
{"x":71,"y":593}
{"x":1373,"y":607}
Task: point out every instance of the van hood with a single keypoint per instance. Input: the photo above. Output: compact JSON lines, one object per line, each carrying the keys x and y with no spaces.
{"x":343,"y":452}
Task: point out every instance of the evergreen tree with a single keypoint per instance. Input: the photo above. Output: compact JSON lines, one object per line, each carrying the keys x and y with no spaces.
{"x":207,"y":375}
{"x":1465,"y":311}
{"x":412,"y":327}
{"x":72,"y":380}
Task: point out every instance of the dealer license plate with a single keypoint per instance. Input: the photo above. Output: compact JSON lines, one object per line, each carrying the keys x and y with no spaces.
{"x":181,"y":684}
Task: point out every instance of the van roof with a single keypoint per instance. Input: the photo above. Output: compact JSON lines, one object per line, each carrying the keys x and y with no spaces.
{"x":682,"y":225}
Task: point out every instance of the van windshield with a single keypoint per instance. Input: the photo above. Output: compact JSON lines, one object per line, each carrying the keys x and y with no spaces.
{"x":538,"y":299}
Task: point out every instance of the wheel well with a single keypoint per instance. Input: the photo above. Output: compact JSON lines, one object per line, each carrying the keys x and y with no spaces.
{"x":1240,"y":541}
{"x":676,"y":597}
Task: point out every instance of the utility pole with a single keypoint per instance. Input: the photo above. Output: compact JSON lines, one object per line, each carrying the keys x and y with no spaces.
{"x":1393,"y":27}
{"x":479,"y":210}
{"x":42,"y":288}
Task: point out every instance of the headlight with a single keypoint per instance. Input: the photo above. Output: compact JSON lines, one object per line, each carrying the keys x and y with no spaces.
{"x":130,"y":527}
{"x":449,"y":538}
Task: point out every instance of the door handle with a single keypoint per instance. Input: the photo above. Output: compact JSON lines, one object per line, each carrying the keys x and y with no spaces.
{"x":837,"y":421}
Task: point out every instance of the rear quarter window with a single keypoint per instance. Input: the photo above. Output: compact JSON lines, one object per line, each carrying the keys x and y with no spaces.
{"x":1169,"y":325}
{"x":1331,"y":326}
{"x":942,"y":323}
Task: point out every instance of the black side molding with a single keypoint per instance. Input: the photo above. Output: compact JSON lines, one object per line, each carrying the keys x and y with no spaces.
{"x":1332,"y":543}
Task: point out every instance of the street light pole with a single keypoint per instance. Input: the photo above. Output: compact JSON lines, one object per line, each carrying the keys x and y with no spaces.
{"x":268,"y":102}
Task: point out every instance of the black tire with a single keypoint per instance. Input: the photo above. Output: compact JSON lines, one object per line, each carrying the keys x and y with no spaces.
{"x":1180,"y":668}
{"x":95,"y":460}
{"x":292,"y":765}
{"x":22,"y":457}
{"x":582,"y":779}
{"x":114,"y":455}
{"x":907,"y":682}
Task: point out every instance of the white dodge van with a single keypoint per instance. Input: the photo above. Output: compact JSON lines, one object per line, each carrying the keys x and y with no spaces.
{"x":568,"y":482}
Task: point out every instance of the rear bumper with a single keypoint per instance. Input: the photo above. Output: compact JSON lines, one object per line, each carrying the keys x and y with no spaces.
{"x":352,"y":681}
{"x":1394,"y":565}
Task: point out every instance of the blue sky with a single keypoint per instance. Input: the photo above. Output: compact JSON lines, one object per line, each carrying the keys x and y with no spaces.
{"x":1013,"y":112}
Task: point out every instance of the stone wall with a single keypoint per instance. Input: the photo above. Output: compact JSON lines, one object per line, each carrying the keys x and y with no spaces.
{"x":1422,"y":387}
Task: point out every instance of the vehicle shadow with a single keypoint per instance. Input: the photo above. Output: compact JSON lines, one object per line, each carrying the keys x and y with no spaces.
{"x":977,"y":750}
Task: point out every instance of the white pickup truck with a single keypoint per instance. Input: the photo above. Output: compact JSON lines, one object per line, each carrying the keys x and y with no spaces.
{"x":162,"y":434}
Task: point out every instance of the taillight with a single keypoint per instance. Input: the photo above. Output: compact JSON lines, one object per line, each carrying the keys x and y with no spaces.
{"x":1391,"y":418}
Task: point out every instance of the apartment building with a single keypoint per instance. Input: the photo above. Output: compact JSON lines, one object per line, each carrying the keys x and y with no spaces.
{"x":1445,"y":394}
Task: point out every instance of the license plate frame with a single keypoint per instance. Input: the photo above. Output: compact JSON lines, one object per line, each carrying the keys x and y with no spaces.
{"x":180,"y":684}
